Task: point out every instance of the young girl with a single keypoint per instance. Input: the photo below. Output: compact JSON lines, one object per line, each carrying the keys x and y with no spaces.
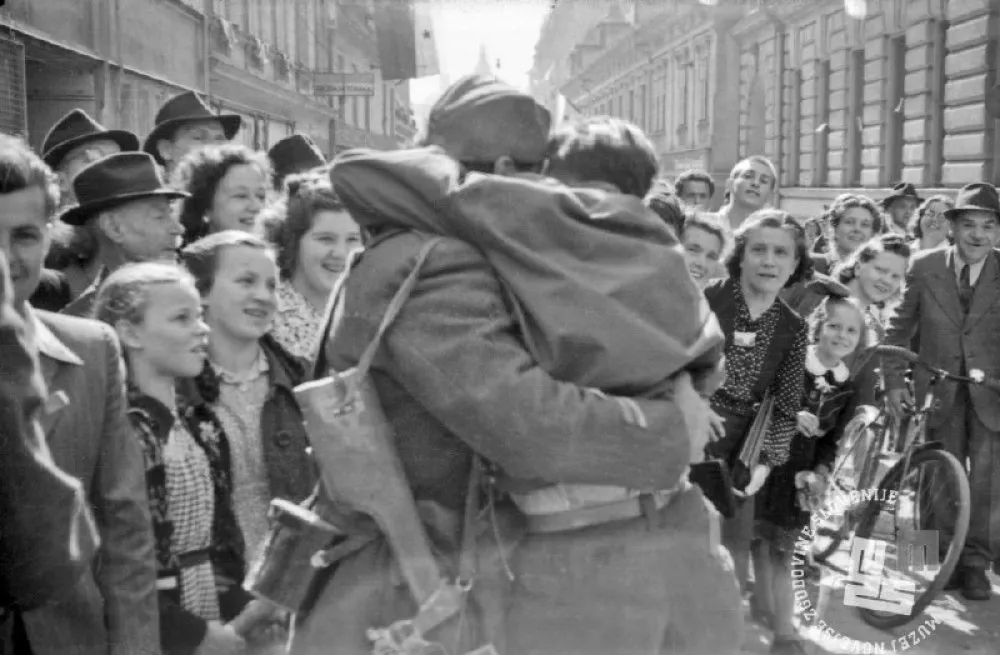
{"x":793,"y":488}
{"x":156,"y":312}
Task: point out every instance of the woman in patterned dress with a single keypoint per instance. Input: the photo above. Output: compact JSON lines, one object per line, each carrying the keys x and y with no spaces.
{"x":314,"y":235}
{"x":156,"y":312}
{"x":765,"y":353}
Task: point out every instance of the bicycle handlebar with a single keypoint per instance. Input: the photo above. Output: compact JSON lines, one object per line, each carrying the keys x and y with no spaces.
{"x":976,"y":376}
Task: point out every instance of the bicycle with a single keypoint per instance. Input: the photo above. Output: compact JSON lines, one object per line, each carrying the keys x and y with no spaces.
{"x":942,"y":486}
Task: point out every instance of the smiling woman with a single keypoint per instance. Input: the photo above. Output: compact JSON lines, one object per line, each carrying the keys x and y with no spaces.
{"x":314,"y":235}
{"x":228,"y":188}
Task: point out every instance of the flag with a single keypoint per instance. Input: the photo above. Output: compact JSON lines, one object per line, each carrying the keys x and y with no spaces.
{"x":407,"y":45}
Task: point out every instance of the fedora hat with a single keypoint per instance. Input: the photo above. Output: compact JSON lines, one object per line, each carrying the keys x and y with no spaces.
{"x":115,"y":180}
{"x":979,"y":196}
{"x":186,"y":107}
{"x":77,"y":128}
{"x":901,"y":190}
{"x":294,"y":154}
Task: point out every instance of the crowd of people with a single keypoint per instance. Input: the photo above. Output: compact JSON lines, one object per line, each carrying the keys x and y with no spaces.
{"x":587,"y":334}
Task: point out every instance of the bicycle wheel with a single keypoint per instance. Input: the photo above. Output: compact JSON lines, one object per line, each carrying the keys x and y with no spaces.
{"x":855,"y":468}
{"x":930,"y":510}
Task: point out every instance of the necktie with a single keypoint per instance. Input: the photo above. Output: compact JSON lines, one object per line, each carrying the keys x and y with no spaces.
{"x":965,"y":289}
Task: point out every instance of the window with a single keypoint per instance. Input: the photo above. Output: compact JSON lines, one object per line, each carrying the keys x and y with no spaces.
{"x":621,"y":105}
{"x":368,"y":113}
{"x":790,"y":175}
{"x":704,"y":100}
{"x":234,"y":12}
{"x":821,"y":137}
{"x":683,"y":113}
{"x":302,"y":32}
{"x":895,"y":110}
{"x":855,"y":110}
{"x":935,"y":139}
{"x":641,"y":115}
{"x":631,"y":106}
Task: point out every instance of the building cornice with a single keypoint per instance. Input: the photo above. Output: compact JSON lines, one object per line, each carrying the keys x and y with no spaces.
{"x":277,"y":99}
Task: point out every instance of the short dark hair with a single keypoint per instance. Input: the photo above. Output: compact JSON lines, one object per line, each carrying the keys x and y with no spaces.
{"x":771,"y":218}
{"x":201,"y":258}
{"x":71,"y":245}
{"x":604,"y":149}
{"x":200,"y":173}
{"x":914,"y":225}
{"x":694,"y":176}
{"x":664,"y":204}
{"x":21,"y":168}
{"x":287,"y":221}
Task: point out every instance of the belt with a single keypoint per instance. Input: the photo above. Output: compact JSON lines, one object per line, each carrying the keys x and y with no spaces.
{"x":170,"y":580}
{"x":584,"y":517}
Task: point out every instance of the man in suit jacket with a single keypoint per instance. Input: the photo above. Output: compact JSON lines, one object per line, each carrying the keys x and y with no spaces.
{"x":952,"y":304}
{"x":48,"y":537}
{"x":111,"y":609}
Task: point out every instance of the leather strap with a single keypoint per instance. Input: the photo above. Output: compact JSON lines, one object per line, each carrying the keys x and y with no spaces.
{"x":392,"y":311}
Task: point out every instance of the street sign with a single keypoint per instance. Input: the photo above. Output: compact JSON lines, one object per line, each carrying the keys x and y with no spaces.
{"x":329,"y":83}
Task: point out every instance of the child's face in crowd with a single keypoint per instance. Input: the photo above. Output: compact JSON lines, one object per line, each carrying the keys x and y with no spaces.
{"x":173,"y":338}
{"x":841,"y":332}
{"x":702,"y":250}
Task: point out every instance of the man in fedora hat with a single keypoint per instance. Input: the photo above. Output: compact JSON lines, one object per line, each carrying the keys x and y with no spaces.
{"x":184,"y":123}
{"x":124,"y":201}
{"x":111,"y":609}
{"x":75,"y":142}
{"x":900,"y":204}
{"x":950,"y":306}
{"x":294,"y":154}
{"x":72,"y":144}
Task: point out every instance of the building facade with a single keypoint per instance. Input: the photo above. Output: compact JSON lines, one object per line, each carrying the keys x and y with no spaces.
{"x":120,"y":61}
{"x":671,"y":76}
{"x":845,"y":104}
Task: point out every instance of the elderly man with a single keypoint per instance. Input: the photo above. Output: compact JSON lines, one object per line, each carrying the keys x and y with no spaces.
{"x":123,"y":200}
{"x":950,"y":307}
{"x":184,"y":123}
{"x":112,"y":608}
{"x":458,"y":382}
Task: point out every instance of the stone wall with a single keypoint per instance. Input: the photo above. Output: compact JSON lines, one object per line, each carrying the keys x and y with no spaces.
{"x":865,"y":104}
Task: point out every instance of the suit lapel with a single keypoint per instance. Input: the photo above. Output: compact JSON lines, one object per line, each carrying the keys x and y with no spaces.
{"x":945,"y":288}
{"x":986,"y":291}
{"x":54,"y":357}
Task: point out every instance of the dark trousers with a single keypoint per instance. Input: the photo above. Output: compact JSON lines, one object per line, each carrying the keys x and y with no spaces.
{"x":638,"y":587}
{"x":977,"y":447}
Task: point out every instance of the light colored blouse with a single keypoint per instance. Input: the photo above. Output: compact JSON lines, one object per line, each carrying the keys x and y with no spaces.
{"x":297,"y":324}
{"x":239,"y":408}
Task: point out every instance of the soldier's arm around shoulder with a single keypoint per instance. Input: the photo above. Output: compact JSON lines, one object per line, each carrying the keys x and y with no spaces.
{"x":456,"y":349}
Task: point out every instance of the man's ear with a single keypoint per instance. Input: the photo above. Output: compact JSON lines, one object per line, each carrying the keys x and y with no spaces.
{"x":504,"y":166}
{"x":108,"y":223}
{"x":166,"y":149}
